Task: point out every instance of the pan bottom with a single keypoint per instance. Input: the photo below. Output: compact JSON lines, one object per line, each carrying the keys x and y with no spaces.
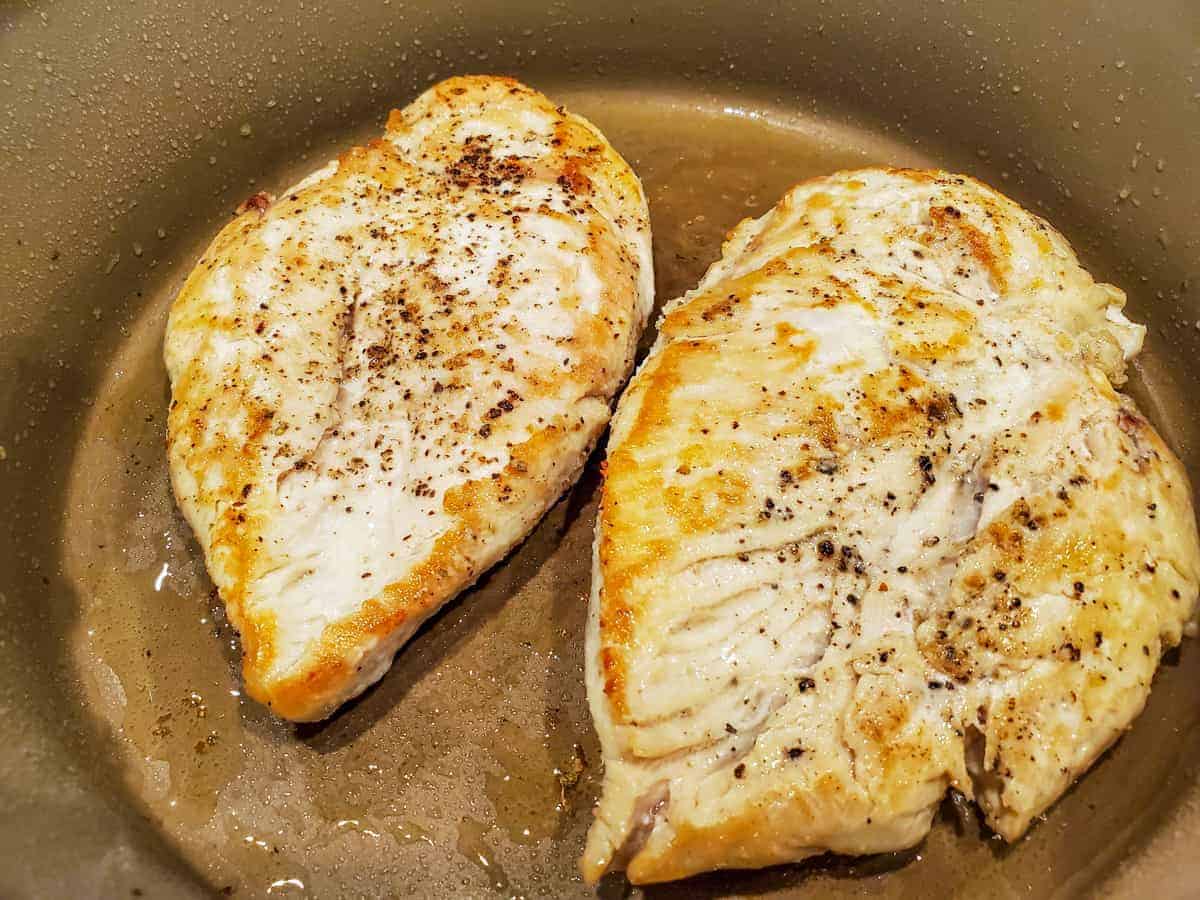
{"x":471,"y":769}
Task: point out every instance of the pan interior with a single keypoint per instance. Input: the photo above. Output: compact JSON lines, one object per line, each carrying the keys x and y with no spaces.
{"x":472,"y":767}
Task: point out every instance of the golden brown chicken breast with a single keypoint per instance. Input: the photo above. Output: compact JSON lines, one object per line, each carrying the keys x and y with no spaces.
{"x":383,"y":378}
{"x":876,"y":524}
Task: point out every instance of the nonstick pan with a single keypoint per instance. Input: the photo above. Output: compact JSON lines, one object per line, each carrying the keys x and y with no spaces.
{"x":132,"y":766}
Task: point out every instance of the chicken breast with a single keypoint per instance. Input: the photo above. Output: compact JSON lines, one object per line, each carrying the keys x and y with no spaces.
{"x":381,"y":380}
{"x":875,"y":524}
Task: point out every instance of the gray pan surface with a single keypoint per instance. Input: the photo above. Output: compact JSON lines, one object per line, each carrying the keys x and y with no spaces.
{"x":131,"y":766}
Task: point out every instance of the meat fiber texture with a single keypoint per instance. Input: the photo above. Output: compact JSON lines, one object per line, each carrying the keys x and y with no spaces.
{"x":383,"y":378}
{"x":876,"y":524}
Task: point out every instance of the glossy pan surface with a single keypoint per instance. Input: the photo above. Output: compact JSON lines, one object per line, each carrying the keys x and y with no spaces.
{"x":129,"y":134}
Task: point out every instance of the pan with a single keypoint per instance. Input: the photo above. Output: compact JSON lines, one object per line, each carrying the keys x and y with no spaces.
{"x":133,"y":766}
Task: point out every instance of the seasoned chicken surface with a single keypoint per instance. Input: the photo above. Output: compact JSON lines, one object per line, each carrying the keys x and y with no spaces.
{"x":383,"y":378}
{"x":875,"y":524}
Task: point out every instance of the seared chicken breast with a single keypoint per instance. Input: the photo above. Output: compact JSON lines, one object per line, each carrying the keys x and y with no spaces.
{"x":876,"y":524}
{"x":382,"y":379}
